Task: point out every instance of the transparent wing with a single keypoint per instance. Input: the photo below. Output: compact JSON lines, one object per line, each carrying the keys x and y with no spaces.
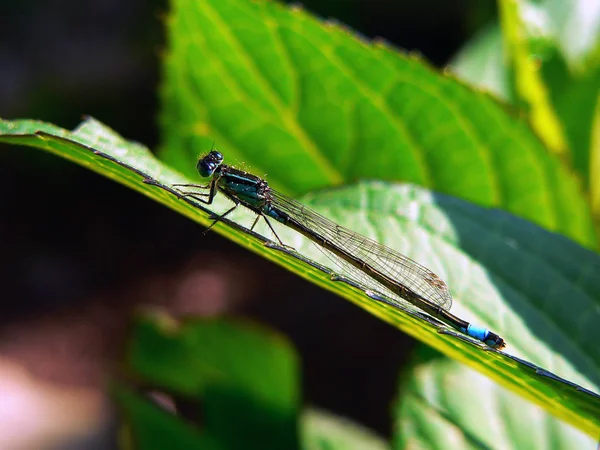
{"x":383,"y":259}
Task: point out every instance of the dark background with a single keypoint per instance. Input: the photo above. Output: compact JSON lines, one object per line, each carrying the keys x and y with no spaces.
{"x":79,"y":252}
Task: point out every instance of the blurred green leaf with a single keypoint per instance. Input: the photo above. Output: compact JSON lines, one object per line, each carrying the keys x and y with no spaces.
{"x":313,"y":105}
{"x":537,"y":289}
{"x":574,"y":96}
{"x":150,"y":427}
{"x":245,"y":379}
{"x":531,"y":92}
{"x":576,"y":26}
{"x":573,"y":81}
{"x":481,"y":63}
{"x":324,"y":431}
{"x":433,"y":411}
{"x":595,"y":161}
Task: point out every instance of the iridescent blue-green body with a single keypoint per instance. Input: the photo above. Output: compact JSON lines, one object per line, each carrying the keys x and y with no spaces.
{"x":392,"y":276}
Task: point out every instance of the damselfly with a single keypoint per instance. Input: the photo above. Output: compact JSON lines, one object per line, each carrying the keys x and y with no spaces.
{"x":385,"y":274}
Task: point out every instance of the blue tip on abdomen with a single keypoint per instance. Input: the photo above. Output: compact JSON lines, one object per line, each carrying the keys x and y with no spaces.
{"x":478,"y":332}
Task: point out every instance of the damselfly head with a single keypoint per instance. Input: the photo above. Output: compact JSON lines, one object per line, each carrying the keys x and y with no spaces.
{"x":208,"y":163}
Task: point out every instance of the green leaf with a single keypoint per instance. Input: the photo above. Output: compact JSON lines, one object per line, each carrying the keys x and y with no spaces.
{"x":531,"y":91}
{"x":150,"y":427}
{"x":537,"y":289}
{"x":576,"y":26}
{"x":313,"y":105}
{"x":324,"y":431}
{"x":481,"y":63}
{"x":574,"y":98}
{"x":595,"y":160}
{"x":245,"y":379}
{"x":434,"y":409}
{"x":242,"y":378}
{"x":572,"y":81}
